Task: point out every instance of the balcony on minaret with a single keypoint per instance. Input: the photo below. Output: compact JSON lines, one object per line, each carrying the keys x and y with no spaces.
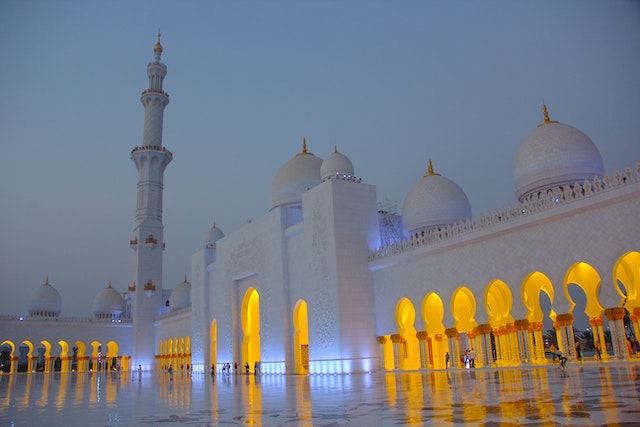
{"x":132,"y":288}
{"x":149,"y":288}
{"x":152,"y":147}
{"x":154,"y":90}
{"x":134,"y":243}
{"x":151,"y":242}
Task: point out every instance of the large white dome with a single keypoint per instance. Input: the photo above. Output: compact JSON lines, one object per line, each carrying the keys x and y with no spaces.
{"x":181,"y":296}
{"x":108,"y":304}
{"x":294,"y":178}
{"x":336,"y":165}
{"x":553,"y":155}
{"x":433,"y":202}
{"x":212,"y":236}
{"x":45,"y":301}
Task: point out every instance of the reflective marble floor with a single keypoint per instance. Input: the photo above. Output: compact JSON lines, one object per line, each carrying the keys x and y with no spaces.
{"x":583,"y":394}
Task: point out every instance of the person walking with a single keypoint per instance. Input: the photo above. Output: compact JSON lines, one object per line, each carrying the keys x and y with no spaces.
{"x":446,"y":360}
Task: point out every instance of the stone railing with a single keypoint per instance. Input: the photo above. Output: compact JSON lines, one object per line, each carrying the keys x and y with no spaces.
{"x":65,"y":319}
{"x":538,"y":203}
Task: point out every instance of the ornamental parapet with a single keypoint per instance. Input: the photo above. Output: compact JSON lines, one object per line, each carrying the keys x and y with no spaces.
{"x":382,"y":339}
{"x":564,"y":319}
{"x":551,"y":199}
{"x":451,"y":333}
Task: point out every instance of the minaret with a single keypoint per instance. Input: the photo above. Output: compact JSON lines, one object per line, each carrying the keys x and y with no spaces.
{"x":151,"y":159}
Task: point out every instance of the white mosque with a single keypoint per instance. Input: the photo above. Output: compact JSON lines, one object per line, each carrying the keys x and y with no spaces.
{"x":328,"y":282}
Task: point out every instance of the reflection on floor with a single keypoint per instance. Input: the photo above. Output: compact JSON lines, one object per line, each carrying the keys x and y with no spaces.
{"x":581,"y":394}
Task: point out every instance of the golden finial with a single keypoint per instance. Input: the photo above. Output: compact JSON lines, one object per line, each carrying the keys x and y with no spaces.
{"x":185,"y":277}
{"x":430,"y":169}
{"x":109,"y":284}
{"x":46,"y":280}
{"x":304,"y":148}
{"x":335,"y":148}
{"x":546,"y":116}
{"x":158,"y":47}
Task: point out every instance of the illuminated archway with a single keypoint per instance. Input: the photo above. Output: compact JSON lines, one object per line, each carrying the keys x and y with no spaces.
{"x":433,"y":316}
{"x":626,"y":278}
{"x":64,"y":358}
{"x":534,"y":286}
{"x":463,"y":309}
{"x":213,"y":346}
{"x":112,"y":355}
{"x":586,"y":278}
{"x":301,"y":337}
{"x":510,"y":345}
{"x":251,"y":327}
{"x":8,"y":361}
{"x":408,"y":350}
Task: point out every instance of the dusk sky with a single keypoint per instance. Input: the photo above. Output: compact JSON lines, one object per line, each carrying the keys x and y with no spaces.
{"x":391,"y":84}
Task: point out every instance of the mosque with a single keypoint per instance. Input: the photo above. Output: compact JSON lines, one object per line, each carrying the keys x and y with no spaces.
{"x":327,"y":281}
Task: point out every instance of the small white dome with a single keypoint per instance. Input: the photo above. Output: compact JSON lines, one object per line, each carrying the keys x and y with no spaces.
{"x":108,"y":304}
{"x":299,"y":174}
{"x":45,"y":301}
{"x":337,"y":164}
{"x":433,"y":202}
{"x":212,"y":236}
{"x":553,"y":155}
{"x":180,"y":296}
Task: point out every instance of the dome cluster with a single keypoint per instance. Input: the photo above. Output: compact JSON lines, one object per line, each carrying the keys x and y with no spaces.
{"x":181,"y":296}
{"x":303,"y":172}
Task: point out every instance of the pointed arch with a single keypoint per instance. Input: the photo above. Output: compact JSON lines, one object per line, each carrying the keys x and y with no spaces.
{"x":626,"y":279}
{"x":463,"y":309}
{"x":498,"y":301}
{"x":408,"y":351}
{"x":250,"y":315}
{"x":533,"y":285}
{"x":587,"y":278}
{"x":301,"y":336}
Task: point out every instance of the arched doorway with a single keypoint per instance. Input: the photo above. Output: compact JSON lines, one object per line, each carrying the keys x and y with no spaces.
{"x":213,"y":346}
{"x":301,"y":337}
{"x":434,"y":345}
{"x":537,"y":298}
{"x":406,"y":348}
{"x":251,"y":327}
{"x":463,"y":309}
{"x":498,"y":301}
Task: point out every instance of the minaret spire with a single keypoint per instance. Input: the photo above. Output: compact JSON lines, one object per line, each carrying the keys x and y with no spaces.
{"x":151,"y":159}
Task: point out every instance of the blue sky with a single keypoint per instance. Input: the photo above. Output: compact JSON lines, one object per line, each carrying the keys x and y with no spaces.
{"x":392,"y":84}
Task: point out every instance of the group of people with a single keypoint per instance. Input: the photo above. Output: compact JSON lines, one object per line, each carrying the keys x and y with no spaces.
{"x":227,"y":370}
{"x":469,"y":358}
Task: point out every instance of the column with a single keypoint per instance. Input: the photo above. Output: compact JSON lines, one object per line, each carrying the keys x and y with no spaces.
{"x":618,"y":336}
{"x":537,"y":343}
{"x":522,"y":335}
{"x":424,"y":350}
{"x":454,"y":346}
{"x":564,"y":331}
{"x":397,"y":341}
{"x":598,"y":336}
{"x":484,"y":352}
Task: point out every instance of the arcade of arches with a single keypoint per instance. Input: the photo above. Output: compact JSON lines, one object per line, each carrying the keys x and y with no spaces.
{"x":62,"y":356}
{"x":506,"y":341}
{"x":174,"y":352}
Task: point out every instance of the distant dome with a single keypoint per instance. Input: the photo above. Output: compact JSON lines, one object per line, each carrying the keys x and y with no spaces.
{"x":294,"y":178}
{"x":553,"y":155}
{"x":212,"y":236}
{"x":45,"y":301}
{"x":180,"y":296}
{"x":433,"y":202}
{"x":108,"y":304}
{"x":337,"y":164}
